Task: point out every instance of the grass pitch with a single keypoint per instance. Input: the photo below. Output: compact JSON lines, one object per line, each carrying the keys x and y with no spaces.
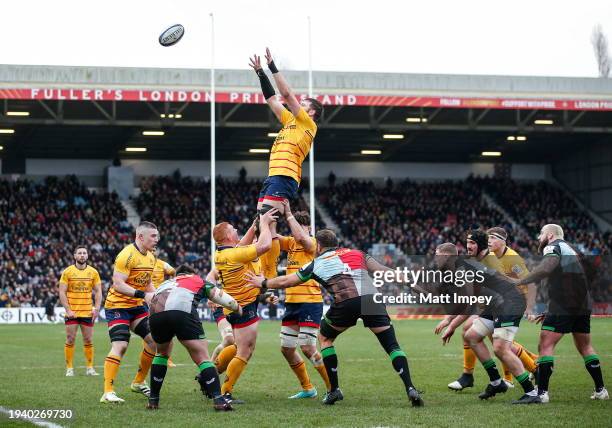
{"x":33,"y":378}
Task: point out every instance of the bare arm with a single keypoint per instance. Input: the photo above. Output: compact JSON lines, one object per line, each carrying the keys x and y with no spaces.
{"x":543,"y":270}
{"x":212,"y":276}
{"x":97,"y":300}
{"x":284,"y":281}
{"x":64,"y":300}
{"x":264,"y":242}
{"x":121,"y":286}
{"x":248,"y":237}
{"x":283,"y":86}
{"x":297,"y":230}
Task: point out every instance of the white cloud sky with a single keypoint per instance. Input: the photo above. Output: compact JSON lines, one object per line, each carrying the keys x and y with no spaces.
{"x":536,"y":37}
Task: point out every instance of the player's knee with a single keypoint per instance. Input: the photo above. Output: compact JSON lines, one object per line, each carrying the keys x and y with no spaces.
{"x":287,"y":352}
{"x":307,"y":337}
{"x":119,"y":348}
{"x":501,"y":348}
{"x":309,"y":350}
{"x":142,"y":329}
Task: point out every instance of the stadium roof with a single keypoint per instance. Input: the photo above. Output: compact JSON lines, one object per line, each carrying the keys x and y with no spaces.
{"x":96,"y":112}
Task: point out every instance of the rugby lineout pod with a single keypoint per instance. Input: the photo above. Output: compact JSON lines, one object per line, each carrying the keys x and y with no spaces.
{"x":172,"y":35}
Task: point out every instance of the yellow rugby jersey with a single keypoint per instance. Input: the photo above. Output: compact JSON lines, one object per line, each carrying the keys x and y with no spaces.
{"x":514,"y":267}
{"x":297,"y":256}
{"x":292,"y":144}
{"x":491,"y":261}
{"x":160,"y":270}
{"x":233,"y":263}
{"x":139,"y":269}
{"x":79,"y":287}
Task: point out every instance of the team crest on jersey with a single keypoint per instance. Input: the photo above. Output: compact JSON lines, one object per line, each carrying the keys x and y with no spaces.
{"x":517,"y":269}
{"x":549,"y":249}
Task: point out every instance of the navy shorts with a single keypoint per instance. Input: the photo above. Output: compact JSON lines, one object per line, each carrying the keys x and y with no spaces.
{"x":86,"y":321}
{"x":303,"y":314}
{"x":565,"y":324}
{"x":249,"y":316}
{"x":279,"y":187}
{"x":124,"y":315}
{"x":218,"y":314}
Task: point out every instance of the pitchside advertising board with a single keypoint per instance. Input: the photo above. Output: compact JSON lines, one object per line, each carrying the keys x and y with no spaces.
{"x":38,"y":315}
{"x":162,"y":95}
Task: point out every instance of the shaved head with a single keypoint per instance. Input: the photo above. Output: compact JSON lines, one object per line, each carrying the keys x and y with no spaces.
{"x":553,"y":229}
{"x":447,"y":249}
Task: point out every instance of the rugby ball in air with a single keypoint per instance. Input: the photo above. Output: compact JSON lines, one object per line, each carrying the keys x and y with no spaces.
{"x":172,"y":35}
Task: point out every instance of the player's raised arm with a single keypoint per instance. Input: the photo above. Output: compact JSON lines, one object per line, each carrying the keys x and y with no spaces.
{"x":284,"y":281}
{"x":265,"y":235}
{"x":298,"y":232}
{"x":283,"y":86}
{"x":266,"y":87}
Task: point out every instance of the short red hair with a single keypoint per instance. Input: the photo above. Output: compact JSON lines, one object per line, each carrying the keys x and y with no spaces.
{"x":220,"y":231}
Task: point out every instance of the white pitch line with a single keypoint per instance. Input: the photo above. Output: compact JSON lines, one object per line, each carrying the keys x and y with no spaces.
{"x":35,"y":421}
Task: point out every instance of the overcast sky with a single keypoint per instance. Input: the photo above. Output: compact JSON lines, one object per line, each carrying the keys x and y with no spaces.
{"x":514,"y":37}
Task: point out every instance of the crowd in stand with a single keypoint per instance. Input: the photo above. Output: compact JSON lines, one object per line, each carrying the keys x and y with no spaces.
{"x":42,"y":222}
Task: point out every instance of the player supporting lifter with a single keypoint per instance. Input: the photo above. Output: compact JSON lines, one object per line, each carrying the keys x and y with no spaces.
{"x":477,"y":245}
{"x":569,"y":309}
{"x":289,"y":150}
{"x":303,"y":305}
{"x":76,"y":285}
{"x":125,"y":309}
{"x":232,"y":263}
{"x":161,"y":270}
{"x":174,"y":312}
{"x":345,"y":274}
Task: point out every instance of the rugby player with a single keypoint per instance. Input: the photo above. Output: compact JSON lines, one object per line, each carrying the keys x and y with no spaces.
{"x":76,"y":285}
{"x":506,"y":313}
{"x":294,"y":140}
{"x":303,"y":305}
{"x":569,"y":309}
{"x":232,"y":263}
{"x":174,"y":312}
{"x":125,"y":309}
{"x":345,"y":274}
{"x":477,"y":245}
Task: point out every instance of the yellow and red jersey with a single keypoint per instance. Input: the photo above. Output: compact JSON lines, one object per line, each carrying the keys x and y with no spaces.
{"x":233,"y":263}
{"x":292,"y":144}
{"x":160,"y":270}
{"x":79,"y":287}
{"x":138,"y":267}
{"x":297,"y":256}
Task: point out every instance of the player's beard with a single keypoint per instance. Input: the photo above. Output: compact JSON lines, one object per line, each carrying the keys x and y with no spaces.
{"x":542,"y":244}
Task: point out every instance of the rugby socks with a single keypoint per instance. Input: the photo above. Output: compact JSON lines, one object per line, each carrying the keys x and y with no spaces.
{"x":300,"y":371}
{"x":317,"y":362}
{"x":224,"y":358}
{"x":469,"y":359}
{"x":330,"y":359}
{"x":209,"y":379}
{"x":400,"y":364}
{"x":69,"y":354}
{"x":111,"y":368}
{"x":545,"y":369}
{"x":507,"y":373}
{"x":525,"y":357}
{"x":523,"y":379}
{"x":146,"y":358}
{"x":158,"y":373}
{"x":269,"y":260}
{"x":88,"y":350}
{"x":593,"y":366}
{"x":234,"y":370}
{"x":491,"y":369}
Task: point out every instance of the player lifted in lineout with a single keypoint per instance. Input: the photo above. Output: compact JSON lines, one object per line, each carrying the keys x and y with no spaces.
{"x":294,"y":140}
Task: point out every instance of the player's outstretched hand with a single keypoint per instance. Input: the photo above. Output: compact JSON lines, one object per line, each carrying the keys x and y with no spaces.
{"x":254,"y":280}
{"x":268,"y":217}
{"x":70,"y":314}
{"x":446,"y":337}
{"x":269,"y":58}
{"x":255,"y":62}
{"x":537,"y":318}
{"x":441,"y":326}
{"x":271,"y":298}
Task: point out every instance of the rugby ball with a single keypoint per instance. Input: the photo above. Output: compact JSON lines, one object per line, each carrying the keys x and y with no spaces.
{"x":172,"y":35}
